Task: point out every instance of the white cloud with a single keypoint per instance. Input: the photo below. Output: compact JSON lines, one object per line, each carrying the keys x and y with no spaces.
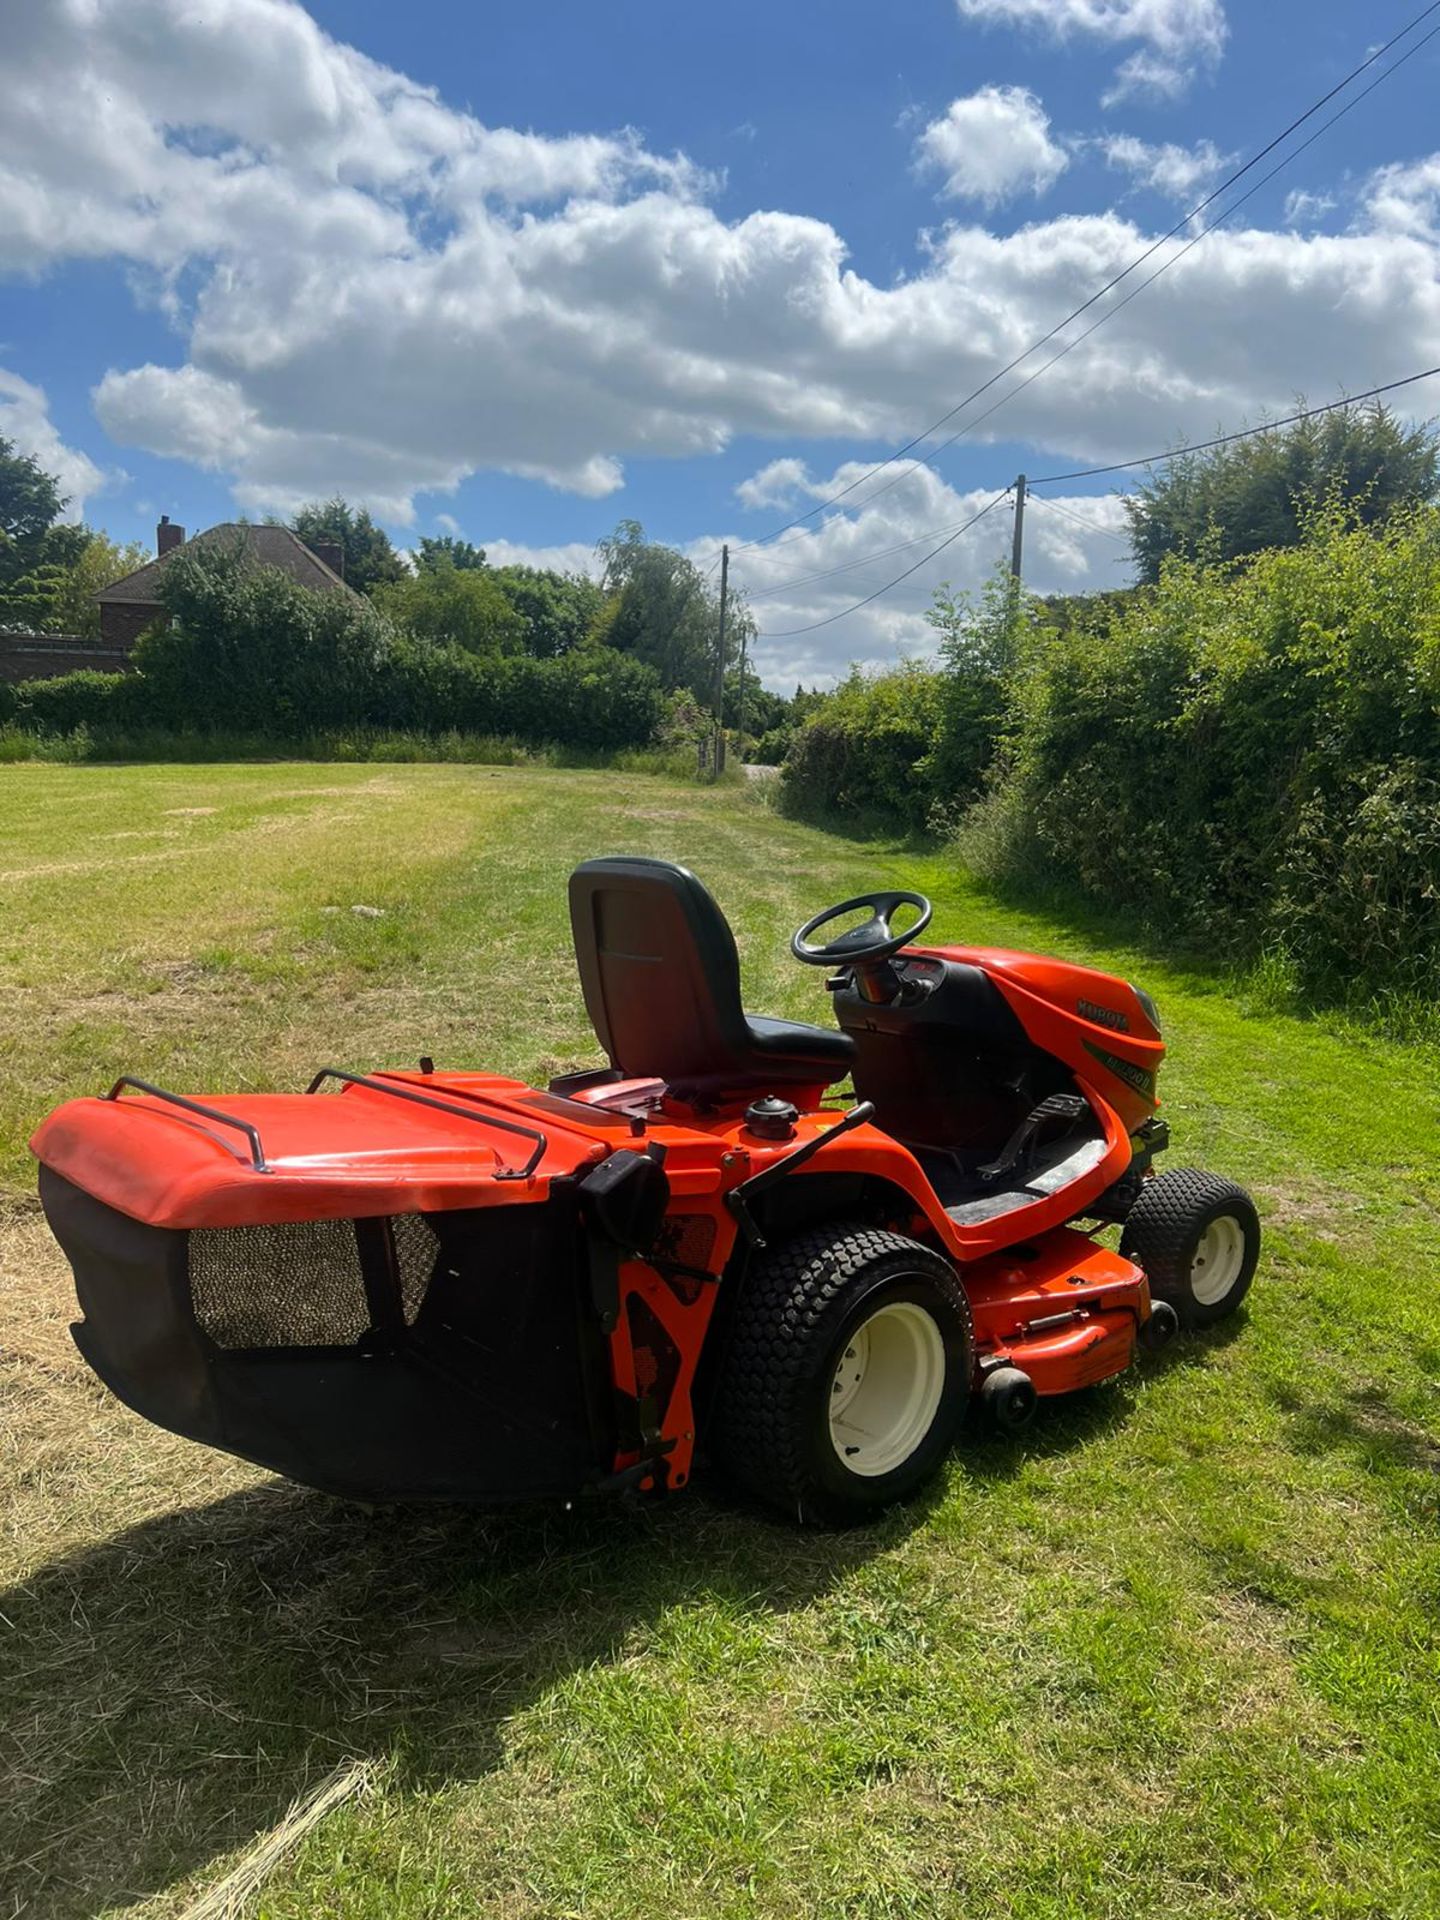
{"x":775,"y":485}
{"x":570,"y":556}
{"x":361,"y":306}
{"x":1178,"y":38}
{"x":1071,"y":545}
{"x":1406,"y":198}
{"x":1180,"y":173}
{"x":25,"y":422}
{"x":992,"y":145}
{"x":1304,"y":209}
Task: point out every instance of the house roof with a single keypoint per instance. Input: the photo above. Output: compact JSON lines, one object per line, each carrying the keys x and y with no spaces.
{"x":267,"y":546}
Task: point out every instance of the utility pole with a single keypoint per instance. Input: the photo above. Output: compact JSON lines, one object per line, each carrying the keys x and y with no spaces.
{"x":1017,"y":547}
{"x":720,"y":664}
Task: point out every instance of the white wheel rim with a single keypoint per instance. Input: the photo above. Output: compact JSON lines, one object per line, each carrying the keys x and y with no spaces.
{"x":886,"y":1388}
{"x":1218,"y":1260}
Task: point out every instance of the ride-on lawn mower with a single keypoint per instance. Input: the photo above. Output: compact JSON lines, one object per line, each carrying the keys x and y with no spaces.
{"x":450,"y":1285}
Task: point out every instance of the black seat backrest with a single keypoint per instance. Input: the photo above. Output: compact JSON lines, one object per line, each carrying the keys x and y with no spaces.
{"x":659,"y":970}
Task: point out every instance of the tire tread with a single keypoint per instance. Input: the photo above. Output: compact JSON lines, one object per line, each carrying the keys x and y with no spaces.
{"x":1160,"y":1231}
{"x":789,"y":1292}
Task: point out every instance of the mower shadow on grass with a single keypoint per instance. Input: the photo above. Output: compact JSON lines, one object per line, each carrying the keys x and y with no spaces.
{"x":166,"y":1694}
{"x":171,"y":1690}
{"x":1069,"y":1421}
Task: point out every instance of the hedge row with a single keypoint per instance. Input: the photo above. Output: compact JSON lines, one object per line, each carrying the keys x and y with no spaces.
{"x":599,"y":701}
{"x":906,"y":749}
{"x":1250,"y":755}
{"x":864,"y":756}
{"x":911,"y":747}
{"x":247,"y":651}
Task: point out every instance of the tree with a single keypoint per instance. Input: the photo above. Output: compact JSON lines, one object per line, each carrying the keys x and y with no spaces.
{"x":662,"y":611}
{"x":30,"y":504}
{"x":36,"y":553}
{"x":1256,"y":494}
{"x":448,"y":552}
{"x":28,"y":603}
{"x":559,"y":610}
{"x":58,"y":595}
{"x":249,"y":648}
{"x":99,"y":562}
{"x":455,"y":606}
{"x":764,"y":710}
{"x":982,"y":643}
{"x":370,"y":560}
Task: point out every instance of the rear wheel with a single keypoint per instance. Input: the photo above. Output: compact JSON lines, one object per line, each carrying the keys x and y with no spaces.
{"x":1198,"y":1239}
{"x":847,"y":1374}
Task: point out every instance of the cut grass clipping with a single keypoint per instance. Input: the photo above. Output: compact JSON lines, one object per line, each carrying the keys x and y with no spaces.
{"x":228,"y":1900}
{"x":1173,"y":1652}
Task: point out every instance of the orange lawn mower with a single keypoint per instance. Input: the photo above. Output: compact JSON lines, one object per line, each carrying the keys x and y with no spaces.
{"x":419,"y":1284}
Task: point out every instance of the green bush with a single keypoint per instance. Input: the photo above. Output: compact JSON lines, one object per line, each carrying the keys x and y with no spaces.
{"x":248,"y":648}
{"x":863,"y":756}
{"x":70,"y":700}
{"x":1248,"y":754}
{"x":771,"y":748}
{"x":982,"y":643}
{"x":591,"y":698}
{"x":454,"y":606}
{"x":911,"y":747}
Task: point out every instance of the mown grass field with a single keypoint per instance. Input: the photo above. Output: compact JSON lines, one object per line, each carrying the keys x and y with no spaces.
{"x":1172,"y":1653}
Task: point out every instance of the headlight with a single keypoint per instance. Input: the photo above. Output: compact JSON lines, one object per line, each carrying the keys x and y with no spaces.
{"x":1152,"y":1012}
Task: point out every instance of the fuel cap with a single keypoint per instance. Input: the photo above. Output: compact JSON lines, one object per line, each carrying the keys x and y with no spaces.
{"x":771,"y":1118}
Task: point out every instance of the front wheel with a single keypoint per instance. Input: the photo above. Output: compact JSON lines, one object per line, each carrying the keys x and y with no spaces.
{"x":1198,"y":1239}
{"x":847,"y":1374}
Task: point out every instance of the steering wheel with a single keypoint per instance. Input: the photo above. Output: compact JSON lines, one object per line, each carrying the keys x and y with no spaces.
{"x":871,"y":941}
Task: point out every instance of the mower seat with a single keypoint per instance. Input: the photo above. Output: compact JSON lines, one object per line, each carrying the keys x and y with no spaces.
{"x":661,"y":979}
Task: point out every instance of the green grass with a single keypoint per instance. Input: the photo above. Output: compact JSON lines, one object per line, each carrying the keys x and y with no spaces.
{"x":1172,"y":1653}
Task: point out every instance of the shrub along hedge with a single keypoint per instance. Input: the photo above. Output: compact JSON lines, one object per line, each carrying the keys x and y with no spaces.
{"x":597,"y":702}
{"x":593,"y":698}
{"x":1251,"y":755}
{"x":865,"y":755}
{"x":911,"y":747}
{"x":249,"y":652}
{"x":81,"y":699}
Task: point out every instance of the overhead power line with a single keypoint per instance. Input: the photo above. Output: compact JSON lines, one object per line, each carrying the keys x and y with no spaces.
{"x":849,"y":566}
{"x":1139,"y":261}
{"x":1090,"y":526}
{"x":1109,"y":314}
{"x":1092,"y":473}
{"x":1164,"y":267}
{"x":1246,"y":433}
{"x":815,"y":625}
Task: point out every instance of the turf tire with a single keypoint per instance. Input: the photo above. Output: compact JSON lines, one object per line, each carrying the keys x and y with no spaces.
{"x":803,"y":1301}
{"x":1164,"y":1231}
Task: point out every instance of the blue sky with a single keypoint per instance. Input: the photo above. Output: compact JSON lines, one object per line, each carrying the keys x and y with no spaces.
{"x":522,"y":271}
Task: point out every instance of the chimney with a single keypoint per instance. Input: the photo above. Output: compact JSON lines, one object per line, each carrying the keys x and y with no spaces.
{"x":331,"y":552}
{"x":168,"y":535}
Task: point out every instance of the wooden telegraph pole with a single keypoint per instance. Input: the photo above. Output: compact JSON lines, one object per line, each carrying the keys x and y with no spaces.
{"x":1017,"y":545}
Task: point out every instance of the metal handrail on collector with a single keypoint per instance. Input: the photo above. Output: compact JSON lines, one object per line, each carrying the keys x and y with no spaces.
{"x":252,"y":1134}
{"x":378,"y":1085}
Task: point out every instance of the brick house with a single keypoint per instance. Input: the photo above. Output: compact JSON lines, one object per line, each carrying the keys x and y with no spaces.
{"x":130,"y":605}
